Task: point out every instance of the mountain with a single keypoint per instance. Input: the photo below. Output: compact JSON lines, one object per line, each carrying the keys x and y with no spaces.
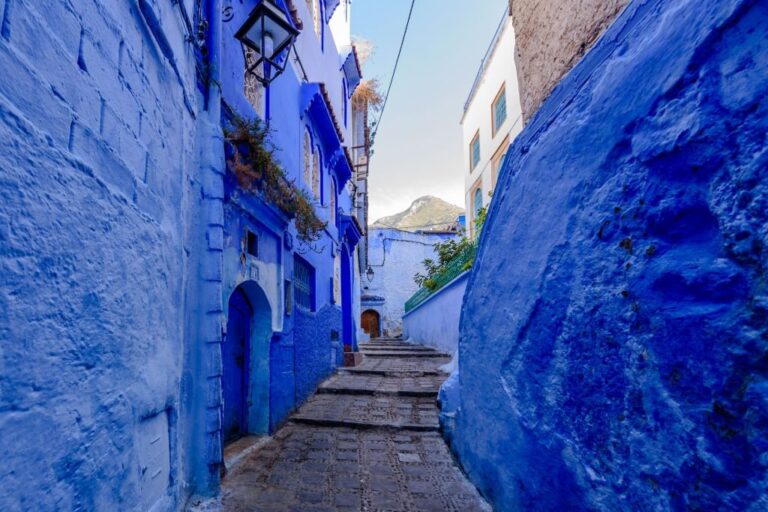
{"x":427,"y":213}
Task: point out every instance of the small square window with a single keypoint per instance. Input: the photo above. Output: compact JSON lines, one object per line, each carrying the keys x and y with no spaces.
{"x":252,"y":243}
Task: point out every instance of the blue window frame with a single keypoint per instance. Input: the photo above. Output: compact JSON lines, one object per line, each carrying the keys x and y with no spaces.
{"x":303,"y":283}
{"x":474,"y":151}
{"x":499,"y":109}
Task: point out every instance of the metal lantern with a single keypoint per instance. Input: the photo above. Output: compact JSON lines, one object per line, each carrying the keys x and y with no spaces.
{"x":267,"y":32}
{"x":369,"y":273}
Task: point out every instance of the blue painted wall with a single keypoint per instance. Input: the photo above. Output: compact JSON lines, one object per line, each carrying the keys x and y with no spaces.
{"x":614,"y":332}
{"x":97,"y":123}
{"x":120,"y":245}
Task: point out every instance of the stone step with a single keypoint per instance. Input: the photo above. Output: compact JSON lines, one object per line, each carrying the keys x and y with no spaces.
{"x":405,"y":348}
{"x":394,"y":373}
{"x":369,"y":412}
{"x":403,"y":354}
{"x":382,"y":385}
{"x":391,"y":366}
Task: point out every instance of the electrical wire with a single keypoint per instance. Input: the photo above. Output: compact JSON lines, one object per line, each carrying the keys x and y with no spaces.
{"x":394,"y":71}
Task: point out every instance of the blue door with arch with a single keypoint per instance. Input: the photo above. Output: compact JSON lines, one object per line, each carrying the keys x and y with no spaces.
{"x":236,"y":362}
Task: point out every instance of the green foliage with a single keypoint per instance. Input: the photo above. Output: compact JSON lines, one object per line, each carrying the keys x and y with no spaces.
{"x":448,"y":252}
{"x":257,"y":171}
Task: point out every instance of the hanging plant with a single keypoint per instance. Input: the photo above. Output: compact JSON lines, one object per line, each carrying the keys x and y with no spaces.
{"x":257,"y":171}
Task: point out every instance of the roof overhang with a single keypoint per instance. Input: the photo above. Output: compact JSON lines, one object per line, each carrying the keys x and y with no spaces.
{"x":351,"y":68}
{"x":350,"y":230}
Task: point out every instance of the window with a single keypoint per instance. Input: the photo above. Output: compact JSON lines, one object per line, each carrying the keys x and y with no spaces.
{"x":314,"y":11}
{"x":307,"y":159}
{"x":499,"y":110}
{"x":474,"y":152}
{"x":253,"y":89}
{"x":316,"y":170}
{"x":477,"y":201}
{"x":251,"y":243}
{"x":304,"y":283}
{"x":333,"y":204}
{"x":336,"y":282}
{"x":344,"y":100}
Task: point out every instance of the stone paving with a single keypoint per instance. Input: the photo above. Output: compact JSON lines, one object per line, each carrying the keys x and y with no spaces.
{"x":360,"y":444}
{"x":347,"y":382}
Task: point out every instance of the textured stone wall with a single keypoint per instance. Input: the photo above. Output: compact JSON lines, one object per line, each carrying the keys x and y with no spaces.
{"x":615,"y":328}
{"x":551,"y":36}
{"x":96,"y":124}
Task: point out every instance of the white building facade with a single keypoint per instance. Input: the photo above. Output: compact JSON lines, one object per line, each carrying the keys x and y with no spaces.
{"x":491,"y":120}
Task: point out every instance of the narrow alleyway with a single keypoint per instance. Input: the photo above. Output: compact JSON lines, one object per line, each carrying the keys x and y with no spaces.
{"x":368,"y":440}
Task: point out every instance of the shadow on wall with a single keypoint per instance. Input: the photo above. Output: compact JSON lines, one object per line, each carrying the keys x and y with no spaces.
{"x":613,"y":337}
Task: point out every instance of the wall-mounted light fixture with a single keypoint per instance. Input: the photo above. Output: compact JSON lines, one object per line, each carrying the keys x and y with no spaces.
{"x":267,"y":32}
{"x":369,"y":273}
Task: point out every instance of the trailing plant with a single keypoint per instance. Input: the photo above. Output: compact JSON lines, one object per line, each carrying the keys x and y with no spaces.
{"x":254,"y":165}
{"x":448,"y":252}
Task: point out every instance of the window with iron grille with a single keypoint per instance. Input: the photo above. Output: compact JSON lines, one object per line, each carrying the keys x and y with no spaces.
{"x":303,"y":284}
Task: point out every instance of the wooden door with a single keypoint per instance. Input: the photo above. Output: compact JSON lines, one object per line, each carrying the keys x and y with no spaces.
{"x":370,"y":323}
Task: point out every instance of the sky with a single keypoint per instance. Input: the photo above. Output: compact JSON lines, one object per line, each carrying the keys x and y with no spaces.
{"x":418,"y":149}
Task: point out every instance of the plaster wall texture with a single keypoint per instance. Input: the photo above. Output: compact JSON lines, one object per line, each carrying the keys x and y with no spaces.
{"x":552,"y":36}
{"x":435,"y":323}
{"x":613,"y":336}
{"x":97,"y":108}
{"x":395,"y":257}
{"x":497,"y":70}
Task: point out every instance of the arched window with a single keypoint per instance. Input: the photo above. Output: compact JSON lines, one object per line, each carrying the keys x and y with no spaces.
{"x":344,"y":99}
{"x":253,"y":89}
{"x":314,"y":11}
{"x":316,"y":170}
{"x":333,"y":204}
{"x":308,"y":159}
{"x":478,"y":200}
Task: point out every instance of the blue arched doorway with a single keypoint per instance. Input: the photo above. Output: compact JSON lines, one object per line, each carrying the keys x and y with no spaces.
{"x":245,"y":363}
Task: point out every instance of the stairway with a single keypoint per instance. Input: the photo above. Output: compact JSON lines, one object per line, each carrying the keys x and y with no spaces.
{"x":367,"y":440}
{"x":395,"y":388}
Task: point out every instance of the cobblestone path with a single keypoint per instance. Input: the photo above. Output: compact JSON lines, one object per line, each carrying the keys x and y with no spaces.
{"x":367,"y":441}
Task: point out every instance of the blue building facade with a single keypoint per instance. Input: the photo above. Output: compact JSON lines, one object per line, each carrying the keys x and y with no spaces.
{"x":614,"y":329}
{"x":152,"y":309}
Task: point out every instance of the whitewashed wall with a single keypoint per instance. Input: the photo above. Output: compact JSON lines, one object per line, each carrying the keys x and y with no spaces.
{"x":435,"y":322}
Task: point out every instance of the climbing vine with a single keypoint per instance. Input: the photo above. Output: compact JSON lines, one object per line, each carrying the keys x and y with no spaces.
{"x":453,"y":257}
{"x":253,"y":163}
